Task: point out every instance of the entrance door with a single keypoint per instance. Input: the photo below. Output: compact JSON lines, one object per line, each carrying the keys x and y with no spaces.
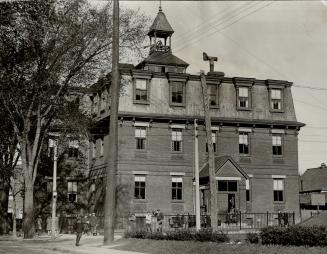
{"x":231,"y":202}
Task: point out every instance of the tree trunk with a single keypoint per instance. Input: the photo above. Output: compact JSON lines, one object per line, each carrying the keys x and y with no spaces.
{"x":14,"y":222}
{"x":28,"y":216}
{"x":4,"y":197}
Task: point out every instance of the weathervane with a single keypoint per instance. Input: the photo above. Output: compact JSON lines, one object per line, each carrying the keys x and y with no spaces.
{"x":160,"y":9}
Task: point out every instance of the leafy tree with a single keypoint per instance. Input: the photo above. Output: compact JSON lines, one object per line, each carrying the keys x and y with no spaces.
{"x":9,"y":156}
{"x":47,"y":47}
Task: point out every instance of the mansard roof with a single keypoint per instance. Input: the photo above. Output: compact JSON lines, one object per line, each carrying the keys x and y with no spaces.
{"x":160,"y":26}
{"x":163,"y":58}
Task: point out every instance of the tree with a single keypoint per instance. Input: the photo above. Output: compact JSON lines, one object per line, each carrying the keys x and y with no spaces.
{"x":9,"y":156}
{"x":47,"y":47}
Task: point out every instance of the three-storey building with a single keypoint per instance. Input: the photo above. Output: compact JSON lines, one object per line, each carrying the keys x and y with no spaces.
{"x":254,"y":133}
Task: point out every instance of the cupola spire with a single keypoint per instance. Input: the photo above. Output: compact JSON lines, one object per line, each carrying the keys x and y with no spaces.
{"x":159,"y":32}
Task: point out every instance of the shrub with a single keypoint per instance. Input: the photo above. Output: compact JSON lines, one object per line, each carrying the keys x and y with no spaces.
{"x":203,"y":235}
{"x":252,"y":237}
{"x":295,"y":235}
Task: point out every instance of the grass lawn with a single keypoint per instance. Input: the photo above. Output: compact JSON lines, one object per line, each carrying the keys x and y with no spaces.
{"x":179,"y":247}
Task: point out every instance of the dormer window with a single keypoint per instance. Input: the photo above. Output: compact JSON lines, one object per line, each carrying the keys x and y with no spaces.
{"x":243,"y":98}
{"x":95,"y":107}
{"x":276,"y":99}
{"x":177,"y":93}
{"x":141,"y":91}
{"x":213,"y":95}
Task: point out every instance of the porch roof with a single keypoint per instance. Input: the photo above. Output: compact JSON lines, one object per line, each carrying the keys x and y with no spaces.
{"x":219,"y":163}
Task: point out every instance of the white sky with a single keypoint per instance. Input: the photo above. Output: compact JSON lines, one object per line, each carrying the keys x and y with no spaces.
{"x":276,"y":40}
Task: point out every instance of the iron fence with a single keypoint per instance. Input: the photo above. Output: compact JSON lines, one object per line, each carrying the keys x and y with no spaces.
{"x":226,"y":222}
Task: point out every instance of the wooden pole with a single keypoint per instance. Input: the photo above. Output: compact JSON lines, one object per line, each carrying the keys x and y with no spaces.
{"x":197,"y":181}
{"x":110,"y":199}
{"x":211,"y":162}
{"x":54,"y":191}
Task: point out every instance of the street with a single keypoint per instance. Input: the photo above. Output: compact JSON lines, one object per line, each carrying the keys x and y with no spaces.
{"x":13,"y":247}
{"x":62,"y":244}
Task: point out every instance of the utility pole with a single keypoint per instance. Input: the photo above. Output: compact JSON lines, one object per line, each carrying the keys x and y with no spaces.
{"x":197,"y":181}
{"x":211,"y":162}
{"x":110,"y":199}
{"x":53,"y":143}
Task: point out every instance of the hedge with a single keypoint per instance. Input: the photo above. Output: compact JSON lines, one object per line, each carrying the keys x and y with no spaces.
{"x":295,"y":235}
{"x":203,"y":235}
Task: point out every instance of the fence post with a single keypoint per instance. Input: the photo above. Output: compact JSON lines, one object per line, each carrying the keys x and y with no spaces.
{"x":240,"y":220}
{"x":267,"y":219}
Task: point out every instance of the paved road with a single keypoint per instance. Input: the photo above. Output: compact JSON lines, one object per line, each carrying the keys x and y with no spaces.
{"x":15,"y":247}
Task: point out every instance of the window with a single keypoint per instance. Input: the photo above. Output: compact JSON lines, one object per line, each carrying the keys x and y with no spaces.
{"x":243,"y":143}
{"x":92,"y":187}
{"x":177,"y":138}
{"x":277,"y":144}
{"x":72,"y":191}
{"x":276,"y":99}
{"x":243,"y":97}
{"x":101,"y":147}
{"x":95,"y":104}
{"x":213,"y":136}
{"x":177,"y":93}
{"x":177,"y":188}
{"x":247,"y":188}
{"x":227,"y":185}
{"x":141,"y":90}
{"x":73,"y":149}
{"x":278,"y":190}
{"x":139,"y":190}
{"x":49,"y":187}
{"x":103,"y":103}
{"x":94,"y":149}
{"x":140,"y":137}
{"x":213,"y":95}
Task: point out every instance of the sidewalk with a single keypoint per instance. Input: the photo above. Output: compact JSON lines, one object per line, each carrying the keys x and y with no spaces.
{"x":88,"y":245}
{"x":65,"y":243}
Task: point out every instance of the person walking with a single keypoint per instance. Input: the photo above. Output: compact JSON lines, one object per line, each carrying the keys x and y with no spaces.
{"x":131,"y":223}
{"x":49,"y":225}
{"x":160,"y":219}
{"x":86,"y":225}
{"x":148,"y":221}
{"x":38,"y":225}
{"x":79,"y":230}
{"x":93,"y":224}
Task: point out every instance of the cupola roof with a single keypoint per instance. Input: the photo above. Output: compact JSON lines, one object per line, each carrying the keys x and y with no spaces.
{"x":161,"y":26}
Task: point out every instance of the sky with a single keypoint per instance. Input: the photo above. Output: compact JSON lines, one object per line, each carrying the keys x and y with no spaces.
{"x":284,"y":40}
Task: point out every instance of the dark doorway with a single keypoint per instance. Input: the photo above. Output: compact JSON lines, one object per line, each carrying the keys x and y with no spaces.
{"x":231,"y":202}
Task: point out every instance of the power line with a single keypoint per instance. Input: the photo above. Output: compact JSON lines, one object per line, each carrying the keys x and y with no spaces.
{"x":223,"y":28}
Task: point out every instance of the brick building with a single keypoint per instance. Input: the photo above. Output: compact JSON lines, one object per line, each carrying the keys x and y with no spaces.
{"x":254,"y":131}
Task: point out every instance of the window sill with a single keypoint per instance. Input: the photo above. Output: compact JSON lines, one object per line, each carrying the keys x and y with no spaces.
{"x":279,"y":202}
{"x":243,"y":155}
{"x":176,"y":152}
{"x":276,"y":111}
{"x":214,"y":107}
{"x":244,"y":109}
{"x":141,"y":150}
{"x":140,"y":200}
{"x":177,"y":104}
{"x":275,"y":156}
{"x":141,"y":102}
{"x":177,"y":201}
